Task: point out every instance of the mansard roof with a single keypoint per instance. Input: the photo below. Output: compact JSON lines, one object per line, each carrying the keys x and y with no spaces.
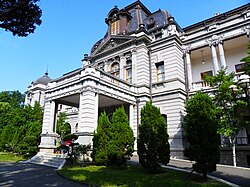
{"x":138,"y":15}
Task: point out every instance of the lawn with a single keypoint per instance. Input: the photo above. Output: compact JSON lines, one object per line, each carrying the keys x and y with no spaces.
{"x":133,"y":176}
{"x":9,"y":157}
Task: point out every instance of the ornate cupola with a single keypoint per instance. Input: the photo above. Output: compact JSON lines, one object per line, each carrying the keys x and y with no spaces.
{"x":117,"y":20}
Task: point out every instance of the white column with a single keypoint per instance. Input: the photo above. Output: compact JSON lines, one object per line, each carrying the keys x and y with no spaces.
{"x":88,"y":114}
{"x":106,"y":66}
{"x":214,"y":59}
{"x":48,"y":135}
{"x":189,"y":70}
{"x":49,"y":117}
{"x":131,"y":117}
{"x":221,"y":55}
{"x":134,"y":67}
{"x":122,"y":64}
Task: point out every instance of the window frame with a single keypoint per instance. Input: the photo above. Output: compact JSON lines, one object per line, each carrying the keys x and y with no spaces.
{"x":160,"y":76}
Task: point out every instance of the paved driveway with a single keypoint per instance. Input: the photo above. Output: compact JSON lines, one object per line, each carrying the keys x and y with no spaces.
{"x":30,"y":175}
{"x":236,"y":175}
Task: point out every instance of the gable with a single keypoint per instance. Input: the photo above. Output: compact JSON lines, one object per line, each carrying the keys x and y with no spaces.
{"x":112,"y":42}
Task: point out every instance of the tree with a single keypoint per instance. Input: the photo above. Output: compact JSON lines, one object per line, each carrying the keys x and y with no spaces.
{"x":246,"y":59}
{"x":14,"y":98}
{"x":20,"y":16}
{"x":101,"y":140}
{"x":62,"y":127}
{"x":153,"y":146}
{"x":201,"y":133}
{"x":230,"y":108}
{"x":121,"y":144}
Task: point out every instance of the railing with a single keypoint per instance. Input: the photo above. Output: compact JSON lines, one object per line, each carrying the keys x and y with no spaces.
{"x":242,"y":141}
{"x":113,"y":80}
{"x":200,"y":84}
{"x":203,"y":84}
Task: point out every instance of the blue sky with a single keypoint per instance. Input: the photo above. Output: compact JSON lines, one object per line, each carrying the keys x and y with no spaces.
{"x":70,"y":28}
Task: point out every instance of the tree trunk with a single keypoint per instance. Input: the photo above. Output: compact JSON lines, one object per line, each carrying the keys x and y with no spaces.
{"x":234,"y":150}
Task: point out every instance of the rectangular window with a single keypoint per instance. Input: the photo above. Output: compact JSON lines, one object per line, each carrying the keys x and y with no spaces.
{"x":239,"y":68}
{"x":206,"y":73}
{"x":129,"y":75}
{"x":114,"y":28}
{"x":160,"y":73}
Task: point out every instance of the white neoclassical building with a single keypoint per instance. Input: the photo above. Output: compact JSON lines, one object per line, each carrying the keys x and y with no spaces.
{"x":145,"y":56}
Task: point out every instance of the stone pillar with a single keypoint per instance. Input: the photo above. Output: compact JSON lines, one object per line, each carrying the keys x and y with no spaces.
{"x":106,"y":66}
{"x":122,"y":64}
{"x":88,"y":115}
{"x":189,"y":70}
{"x":131,"y":116}
{"x":221,"y":55}
{"x":134,"y":67}
{"x":48,"y":128}
{"x":214,"y":58}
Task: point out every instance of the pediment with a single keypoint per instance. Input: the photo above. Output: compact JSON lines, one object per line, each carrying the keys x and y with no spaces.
{"x":112,"y":43}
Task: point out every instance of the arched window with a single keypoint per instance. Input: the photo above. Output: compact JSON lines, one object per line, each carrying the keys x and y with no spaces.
{"x":129,"y":71}
{"x":115,"y":69}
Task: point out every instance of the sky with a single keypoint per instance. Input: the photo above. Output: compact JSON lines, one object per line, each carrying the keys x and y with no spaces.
{"x":70,"y":28}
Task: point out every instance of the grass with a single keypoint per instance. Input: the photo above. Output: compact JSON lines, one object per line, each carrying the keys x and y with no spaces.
{"x":9,"y":157}
{"x":133,"y":176}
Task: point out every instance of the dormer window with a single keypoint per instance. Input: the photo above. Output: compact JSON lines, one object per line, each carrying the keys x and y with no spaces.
{"x":150,"y":23}
{"x":114,"y":28}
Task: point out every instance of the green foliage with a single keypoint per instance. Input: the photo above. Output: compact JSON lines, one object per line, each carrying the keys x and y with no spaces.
{"x":153,"y":146}
{"x":113,"y":143}
{"x":20,"y":127}
{"x":246,"y":59}
{"x":6,"y":135}
{"x":62,"y":127}
{"x":201,"y":133}
{"x":121,"y":143}
{"x":101,"y":140}
{"x":230,"y":108}
{"x":71,"y":137}
{"x":20,"y":17}
{"x":14,"y":98}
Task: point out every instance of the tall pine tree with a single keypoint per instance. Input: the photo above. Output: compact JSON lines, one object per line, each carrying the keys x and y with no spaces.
{"x":201,"y":133}
{"x":153,"y":146}
{"x":101,"y":140}
{"x":121,"y":144}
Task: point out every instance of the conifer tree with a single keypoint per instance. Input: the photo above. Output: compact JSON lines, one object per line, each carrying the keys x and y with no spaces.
{"x":201,"y":133}
{"x":153,"y":146}
{"x":121,"y":144}
{"x":101,"y":140}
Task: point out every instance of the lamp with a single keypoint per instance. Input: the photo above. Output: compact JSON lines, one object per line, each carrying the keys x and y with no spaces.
{"x":202,"y":58}
{"x":244,"y":83}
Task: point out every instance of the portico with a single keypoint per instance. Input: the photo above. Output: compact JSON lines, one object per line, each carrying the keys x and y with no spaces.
{"x":91,"y":92}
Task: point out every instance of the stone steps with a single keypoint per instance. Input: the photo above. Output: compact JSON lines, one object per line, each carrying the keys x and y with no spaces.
{"x":46,"y":159}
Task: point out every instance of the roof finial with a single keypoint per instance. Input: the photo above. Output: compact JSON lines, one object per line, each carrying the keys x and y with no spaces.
{"x":47,"y":70}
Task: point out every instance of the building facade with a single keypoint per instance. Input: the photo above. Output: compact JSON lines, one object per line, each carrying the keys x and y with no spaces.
{"x":145,"y":56}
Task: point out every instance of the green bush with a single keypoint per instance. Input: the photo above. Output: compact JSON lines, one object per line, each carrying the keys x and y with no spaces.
{"x":121,"y":144}
{"x":101,"y":140}
{"x":153,"y":146}
{"x":201,"y":133}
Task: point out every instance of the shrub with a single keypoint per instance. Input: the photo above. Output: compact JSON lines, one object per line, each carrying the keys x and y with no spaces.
{"x":121,"y":144}
{"x":153,"y":146}
{"x":101,"y":140}
{"x":201,"y":133}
